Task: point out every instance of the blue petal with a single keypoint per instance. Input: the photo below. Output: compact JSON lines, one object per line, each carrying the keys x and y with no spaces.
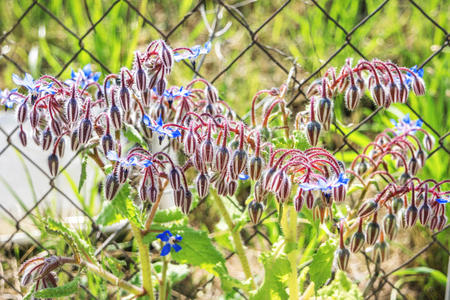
{"x":420,"y":73}
{"x":176,"y":247}
{"x":207,"y":46}
{"x":419,"y":123}
{"x":243,"y":176}
{"x":96,"y":76}
{"x":146,"y":121}
{"x":165,"y":250}
{"x":146,"y":163}
{"x":163,"y":237}
{"x":160,"y":121}
{"x":73,"y":74}
{"x":442,"y":200}
{"x":17,"y":79}
{"x":87,"y":70}
{"x":168,"y":233}
{"x":175,"y":134}
{"x":178,"y":237}
{"x":112,"y":155}
{"x":407,"y":119}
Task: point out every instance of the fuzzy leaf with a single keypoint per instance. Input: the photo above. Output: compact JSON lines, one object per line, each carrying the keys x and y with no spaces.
{"x":132,"y":134}
{"x":168,"y":215}
{"x":83,"y":172}
{"x":320,"y":269}
{"x":60,"y":291}
{"x":273,"y":287}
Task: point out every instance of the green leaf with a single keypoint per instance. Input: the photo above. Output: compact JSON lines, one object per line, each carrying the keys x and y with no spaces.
{"x":341,"y":288}
{"x":275,"y":271}
{"x":168,"y":215}
{"x":83,"y":171}
{"x":108,"y":215}
{"x":320,"y":269}
{"x":132,"y":134}
{"x":435,"y":274}
{"x":60,"y":291}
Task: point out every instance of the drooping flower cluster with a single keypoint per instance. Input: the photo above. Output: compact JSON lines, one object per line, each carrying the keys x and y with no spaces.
{"x":386,"y":82}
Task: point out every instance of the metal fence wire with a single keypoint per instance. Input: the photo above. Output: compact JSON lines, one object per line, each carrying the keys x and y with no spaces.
{"x":380,"y":279}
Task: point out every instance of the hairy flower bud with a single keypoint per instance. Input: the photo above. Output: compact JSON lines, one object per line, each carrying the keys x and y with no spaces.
{"x":60,"y":149}
{"x":372,"y":232}
{"x":23,"y":137}
{"x":379,"y":95}
{"x":124,"y":98}
{"x":380,"y":251}
{"x":72,"y":110}
{"x":324,"y":108}
{"x":428,"y":142}
{"x":187,"y":201}
{"x":309,"y":200}
{"x":368,"y":208}
{"x":211,"y":94}
{"x":123,"y":174}
{"x":411,"y":215}
{"x":56,"y":127}
{"x":46,"y":139}
{"x":232,"y":187}
{"x":339,"y":193}
{"x":167,"y":57}
{"x":175,"y":178}
{"x":141,"y":79}
{"x":107,"y":143}
{"x":398,"y":204}
{"x":53,"y":163}
{"x":259,"y":192}
{"x":413,"y":166}
{"x":299,"y":200}
{"x":343,"y":256}
{"x":393,"y":90}
{"x":403,"y":93}
{"x":238,"y":161}
{"x":22,"y":112}
{"x":424,"y":213}
{"x":418,"y":86}
{"x":420,"y":158}
{"x":35,"y":116}
{"x":85,"y":131}
{"x":352,"y":97}
{"x":285,"y":190}
{"x":199,"y":162}
{"x":207,"y":150}
{"x":161,"y":86}
{"x":202,"y":183}
{"x":256,"y":167}
{"x":312,"y":132}
{"x":357,"y":241}
{"x":390,"y":225}
{"x":221,"y":159}
{"x":114,"y":115}
{"x":190,"y":143}
{"x":153,"y":193}
{"x":255,"y":210}
{"x":178,"y":196}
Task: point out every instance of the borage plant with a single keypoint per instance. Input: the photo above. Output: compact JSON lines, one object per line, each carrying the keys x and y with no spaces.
{"x":184,"y":145}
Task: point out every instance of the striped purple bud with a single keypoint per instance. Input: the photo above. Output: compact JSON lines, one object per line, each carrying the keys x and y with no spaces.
{"x":357,"y":241}
{"x":284,"y":191}
{"x":107,"y":143}
{"x":420,"y":158}
{"x":324,"y":108}
{"x":123,"y":173}
{"x":146,"y":97}
{"x":143,"y":192}
{"x":37,"y":137}
{"x":238,"y":161}
{"x":327,"y":199}
{"x":309,"y":200}
{"x":85,"y":131}
{"x":434,"y":222}
{"x":202,"y":183}
{"x":299,"y":200}
{"x":256,"y":167}
{"x":74,"y":140}
{"x":141,"y":79}
{"x":211,"y":94}
{"x":167,"y":57}
{"x":232,"y":187}
{"x":372,"y":232}
{"x":186,"y":203}
{"x":441,"y":222}
{"x":72,"y":110}
{"x":380,"y":251}
{"x":418,"y":86}
{"x":277,"y":181}
{"x":111,"y":186}
{"x":221,"y":187}
{"x":367,"y":208}
{"x":46,"y":139}
{"x":114,"y":115}
{"x":198,"y":162}
{"x":178,"y":196}
{"x":428,"y":142}
{"x":190,"y":143}
{"x":60,"y":149}
{"x":53,"y":163}
{"x":207,"y":149}
{"x":55,"y":125}
{"x":259,"y":192}
{"x":339,"y":193}
{"x":413,"y":166}
{"x":23,"y":137}
{"x":404,"y":178}
{"x":424,"y":213}
{"x":222,"y":157}
{"x":161,"y":86}
{"x":22,"y":112}
{"x":312,"y":132}
{"x":34,"y":118}
{"x":379,"y":95}
{"x":403,"y":93}
{"x":175,"y":178}
{"x":390,"y":225}
{"x":393,"y":92}
{"x":152,"y":193}
{"x":411,"y":215}
{"x":267,"y":178}
{"x":124,"y":98}
{"x":342,"y":257}
{"x":352,"y":97}
{"x":255,"y":210}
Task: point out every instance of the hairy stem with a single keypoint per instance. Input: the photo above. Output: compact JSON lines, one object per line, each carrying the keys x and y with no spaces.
{"x":163,"y":289}
{"x":144,"y":256}
{"x":239,"y":248}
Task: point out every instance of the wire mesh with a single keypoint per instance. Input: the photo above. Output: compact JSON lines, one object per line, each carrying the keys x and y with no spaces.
{"x":380,"y":277}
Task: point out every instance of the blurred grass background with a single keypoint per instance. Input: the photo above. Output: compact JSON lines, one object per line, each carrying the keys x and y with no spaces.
{"x":399,"y":32}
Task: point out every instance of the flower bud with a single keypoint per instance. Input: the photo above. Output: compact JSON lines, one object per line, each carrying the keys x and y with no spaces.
{"x":222,"y":157}
{"x":144,"y":192}
{"x":46,"y":139}
{"x":74,"y":140}
{"x":398,"y":204}
{"x":372,"y":232}
{"x":211,"y":94}
{"x":256,"y":167}
{"x":393,"y":92}
{"x":404,"y":178}
{"x":441,"y":222}
{"x":367,"y":208}
{"x":55,"y":125}
{"x":380,"y":251}
{"x":379,"y":95}
{"x":411,"y":215}
{"x":232,"y":187}
{"x":362,"y":168}
{"x":23,"y":137}
{"x":34,"y":118}
{"x":178,"y":196}
{"x":327,"y":199}
{"x":146,"y":97}
{"x":277,"y":180}
{"x":357,"y":241}
{"x":72,"y":110}
{"x":190,"y":143}
{"x":141,"y":79}
{"x":175,"y":178}
{"x":424,"y":213}
{"x":420,"y":158}
{"x":413,"y":166}
{"x":255,"y":210}
{"x":339,"y":193}
{"x":389,"y":225}
{"x":403,"y":93}
{"x":187,"y":201}
{"x":342,"y":256}
{"x":284,"y":191}
{"x":259,"y":192}
{"x":238,"y":161}
{"x":152,"y":193}
{"x":85,"y":131}
{"x":124,"y":98}
{"x":434,"y":221}
{"x":202,"y":183}
{"x":22,"y":112}
{"x":123,"y":174}
{"x":146,"y":131}
{"x":299,"y":200}
{"x":61,"y":147}
{"x":418,"y":86}
{"x":167,"y":56}
{"x":352,"y":97}
{"x":309,"y":200}
{"x":198,"y":162}
{"x":324,"y":108}
{"x":114,"y":115}
{"x":221,"y":186}
{"x":107,"y":143}
{"x":312,"y":132}
{"x":428,"y":142}
{"x":207,"y":150}
{"x":53,"y":163}
{"x":161,"y":86}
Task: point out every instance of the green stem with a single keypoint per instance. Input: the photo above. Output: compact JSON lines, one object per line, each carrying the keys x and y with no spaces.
{"x":292,"y":255}
{"x":239,"y":248}
{"x":163,"y":289}
{"x":144,"y":256}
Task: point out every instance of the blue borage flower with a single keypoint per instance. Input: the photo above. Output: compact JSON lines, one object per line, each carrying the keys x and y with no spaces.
{"x":243,"y":176}
{"x":171,"y":242}
{"x":325,"y":185}
{"x":33,"y":87}
{"x":170,"y":94}
{"x":133,"y":161}
{"x":443,"y":200}
{"x":85,"y":76}
{"x":406,"y":124}
{"x":158,"y":127}
{"x":8,"y":100}
{"x":197,"y":50}
{"x":410,"y":77}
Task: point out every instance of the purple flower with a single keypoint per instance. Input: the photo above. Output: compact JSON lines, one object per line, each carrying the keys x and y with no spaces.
{"x":170,"y":241}
{"x":195,"y":52}
{"x":325,"y":185}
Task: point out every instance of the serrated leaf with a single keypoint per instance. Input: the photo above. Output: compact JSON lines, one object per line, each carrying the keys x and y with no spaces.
{"x":168,"y":215}
{"x":341,"y":288}
{"x":322,"y":261}
{"x":132,"y":134}
{"x":108,"y":215}
{"x":275,"y":270}
{"x":83,"y":172}
{"x":59,"y":291}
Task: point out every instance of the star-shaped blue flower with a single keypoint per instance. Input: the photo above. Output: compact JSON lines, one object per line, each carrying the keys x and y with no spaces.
{"x":406,"y":124}
{"x":85,"y":76}
{"x":112,"y":155}
{"x":8,"y":100}
{"x":443,"y":200}
{"x":325,"y":185}
{"x":33,"y":87}
{"x":195,"y":52}
{"x":170,"y":242}
{"x":170,"y":94}
{"x":159,"y":127}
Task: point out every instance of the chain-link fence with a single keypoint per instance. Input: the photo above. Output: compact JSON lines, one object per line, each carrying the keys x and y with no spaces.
{"x":22,"y":230}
